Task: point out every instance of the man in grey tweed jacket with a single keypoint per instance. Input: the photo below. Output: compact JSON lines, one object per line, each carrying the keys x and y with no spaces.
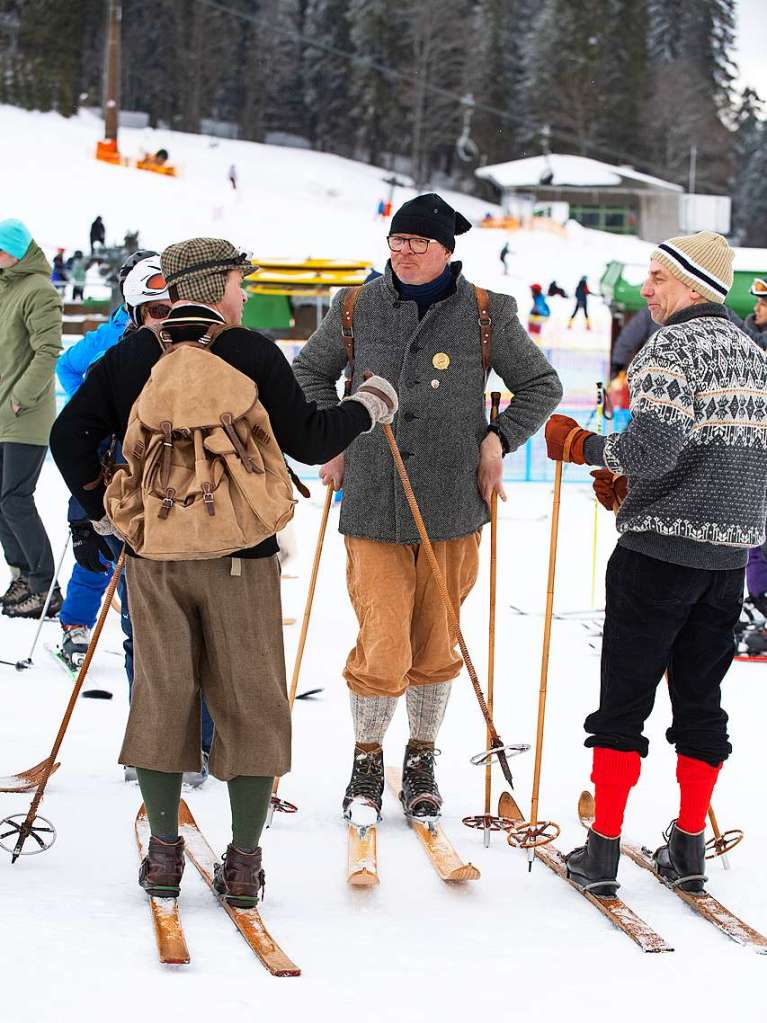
{"x":689,"y":478}
{"x":418,"y":326}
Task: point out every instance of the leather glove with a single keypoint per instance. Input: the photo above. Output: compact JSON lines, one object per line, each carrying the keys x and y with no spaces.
{"x":379,"y":398}
{"x":560,"y":430}
{"x":610,"y":490}
{"x":88,"y":545}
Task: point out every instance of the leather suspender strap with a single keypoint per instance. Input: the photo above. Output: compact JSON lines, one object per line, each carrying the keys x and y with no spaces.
{"x":347,"y":331}
{"x":485,"y":325}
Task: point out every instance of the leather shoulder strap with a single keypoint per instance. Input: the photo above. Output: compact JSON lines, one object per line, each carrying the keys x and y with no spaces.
{"x":347,"y":322}
{"x":206,"y":340}
{"x":485,"y":325}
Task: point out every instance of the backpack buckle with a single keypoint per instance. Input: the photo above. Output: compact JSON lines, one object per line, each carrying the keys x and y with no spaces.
{"x":167,"y":503}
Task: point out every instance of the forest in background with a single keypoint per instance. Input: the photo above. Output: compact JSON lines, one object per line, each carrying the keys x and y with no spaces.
{"x":638,"y":82}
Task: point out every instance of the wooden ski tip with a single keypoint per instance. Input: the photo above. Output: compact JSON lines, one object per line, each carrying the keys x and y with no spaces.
{"x":586,"y":806}
{"x":363,"y":879}
{"x":170,"y":937}
{"x":468,"y":872}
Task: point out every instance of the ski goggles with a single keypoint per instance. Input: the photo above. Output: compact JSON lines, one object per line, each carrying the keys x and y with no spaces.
{"x":759,"y":287}
{"x":157,"y":310}
{"x":156,"y":282}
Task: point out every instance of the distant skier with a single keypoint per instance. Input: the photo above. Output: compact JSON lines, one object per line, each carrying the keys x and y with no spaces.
{"x":59,"y":276}
{"x":581,"y":302}
{"x":380,"y":210}
{"x":77,"y":273}
{"x":503,"y":255}
{"x":554,"y":290}
{"x":233,"y":176}
{"x":539,"y":313}
{"x":98,"y":234}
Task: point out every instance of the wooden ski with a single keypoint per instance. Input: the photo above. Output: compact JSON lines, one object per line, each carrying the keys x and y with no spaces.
{"x":169,"y":935}
{"x":705,"y":905}
{"x":362,"y":868}
{"x":616,"y":910}
{"x":247,"y":921}
{"x":432,"y":837}
{"x":25,"y":781}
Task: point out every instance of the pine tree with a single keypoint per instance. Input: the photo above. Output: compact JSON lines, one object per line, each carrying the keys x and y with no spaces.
{"x":328,"y":76}
{"x":750,"y":158}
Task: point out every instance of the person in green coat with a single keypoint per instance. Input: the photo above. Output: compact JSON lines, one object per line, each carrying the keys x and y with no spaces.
{"x":30,"y":343}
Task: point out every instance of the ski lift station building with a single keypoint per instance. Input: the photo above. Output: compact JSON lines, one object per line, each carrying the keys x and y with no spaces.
{"x":603,"y":196}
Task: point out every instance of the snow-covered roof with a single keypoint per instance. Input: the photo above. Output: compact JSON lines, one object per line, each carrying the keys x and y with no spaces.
{"x":576,"y":171}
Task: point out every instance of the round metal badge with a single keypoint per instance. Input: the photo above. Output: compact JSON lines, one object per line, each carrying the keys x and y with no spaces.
{"x":441,"y":360}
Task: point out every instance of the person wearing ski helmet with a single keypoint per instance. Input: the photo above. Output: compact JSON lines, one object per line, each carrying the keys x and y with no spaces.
{"x":145,"y":293}
{"x":419,"y":325}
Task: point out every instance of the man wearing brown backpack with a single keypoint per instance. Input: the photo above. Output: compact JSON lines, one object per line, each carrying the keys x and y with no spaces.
{"x":203,"y":446}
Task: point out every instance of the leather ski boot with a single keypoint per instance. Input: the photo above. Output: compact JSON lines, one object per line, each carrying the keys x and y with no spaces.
{"x":364,"y":793}
{"x":240,"y":877}
{"x":594,"y":866}
{"x":162,"y":868}
{"x":420,"y":796}
{"x":682,"y":861}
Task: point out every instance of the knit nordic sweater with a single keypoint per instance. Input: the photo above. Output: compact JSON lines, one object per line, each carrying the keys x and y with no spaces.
{"x":695,"y":452}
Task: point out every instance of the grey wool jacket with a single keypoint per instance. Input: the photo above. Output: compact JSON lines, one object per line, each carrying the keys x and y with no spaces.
{"x":441,"y":420}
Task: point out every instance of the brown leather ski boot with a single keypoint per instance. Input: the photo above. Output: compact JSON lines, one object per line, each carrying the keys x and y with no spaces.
{"x":240,"y":877}
{"x":161,"y":870}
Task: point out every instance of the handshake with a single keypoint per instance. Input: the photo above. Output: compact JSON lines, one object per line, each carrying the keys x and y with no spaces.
{"x":565,"y":442}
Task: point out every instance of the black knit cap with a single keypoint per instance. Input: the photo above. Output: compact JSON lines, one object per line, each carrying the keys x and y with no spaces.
{"x":430,"y":217}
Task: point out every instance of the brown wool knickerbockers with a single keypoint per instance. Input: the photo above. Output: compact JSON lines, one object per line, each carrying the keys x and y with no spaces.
{"x":196,"y":625}
{"x":404,"y":636}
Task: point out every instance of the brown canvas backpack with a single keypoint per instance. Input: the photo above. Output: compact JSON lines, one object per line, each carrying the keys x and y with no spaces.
{"x":204,"y":475}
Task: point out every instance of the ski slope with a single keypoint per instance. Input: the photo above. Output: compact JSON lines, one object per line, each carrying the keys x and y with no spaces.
{"x":76,"y":941}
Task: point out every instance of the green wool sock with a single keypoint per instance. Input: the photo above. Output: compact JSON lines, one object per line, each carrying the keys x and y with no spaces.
{"x":161,"y":793}
{"x":249,"y":798}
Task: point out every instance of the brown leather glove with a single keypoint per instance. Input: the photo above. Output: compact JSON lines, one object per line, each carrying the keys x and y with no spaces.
{"x":565,"y":440}
{"x":610,"y":490}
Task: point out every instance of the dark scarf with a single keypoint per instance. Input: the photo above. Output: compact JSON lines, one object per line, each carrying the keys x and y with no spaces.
{"x":425,"y":295}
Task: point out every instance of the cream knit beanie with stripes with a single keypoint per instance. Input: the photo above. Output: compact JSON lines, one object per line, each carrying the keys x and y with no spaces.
{"x":702,"y":261}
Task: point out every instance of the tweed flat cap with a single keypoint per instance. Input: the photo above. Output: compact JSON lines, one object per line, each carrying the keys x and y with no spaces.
{"x":197,"y":269}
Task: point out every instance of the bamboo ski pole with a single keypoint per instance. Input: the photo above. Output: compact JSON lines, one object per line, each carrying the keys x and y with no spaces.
{"x":717,"y":835}
{"x":545,"y":656}
{"x":26,"y":829}
{"x":600,"y":427}
{"x":305,"y":622}
{"x":495,"y":404}
{"x":497,"y":748}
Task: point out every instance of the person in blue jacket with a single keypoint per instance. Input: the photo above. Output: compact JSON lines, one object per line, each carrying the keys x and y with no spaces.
{"x":145,"y":303}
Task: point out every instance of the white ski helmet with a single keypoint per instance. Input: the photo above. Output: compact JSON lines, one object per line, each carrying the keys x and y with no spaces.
{"x":144,"y":283}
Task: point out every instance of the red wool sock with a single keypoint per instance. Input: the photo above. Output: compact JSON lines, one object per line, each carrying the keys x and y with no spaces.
{"x":614,"y":774}
{"x":696,"y":783}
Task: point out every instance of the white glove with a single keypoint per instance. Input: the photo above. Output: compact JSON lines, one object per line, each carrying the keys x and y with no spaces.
{"x":379,"y":398}
{"x":103,"y":526}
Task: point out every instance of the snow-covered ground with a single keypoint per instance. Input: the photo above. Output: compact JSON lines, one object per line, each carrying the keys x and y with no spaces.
{"x":76,"y":940}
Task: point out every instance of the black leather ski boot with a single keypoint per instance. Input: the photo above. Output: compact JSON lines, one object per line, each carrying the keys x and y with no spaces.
{"x":682,"y":861}
{"x":364,"y":793}
{"x":594,"y":866}
{"x":240,"y":878}
{"x":162,"y":868}
{"x":420,"y":796}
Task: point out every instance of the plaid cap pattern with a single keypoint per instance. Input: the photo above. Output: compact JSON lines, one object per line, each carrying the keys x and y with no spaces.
{"x":196,"y":269}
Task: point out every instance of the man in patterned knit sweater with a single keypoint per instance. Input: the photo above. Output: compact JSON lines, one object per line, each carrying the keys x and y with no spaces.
{"x":688,"y":477}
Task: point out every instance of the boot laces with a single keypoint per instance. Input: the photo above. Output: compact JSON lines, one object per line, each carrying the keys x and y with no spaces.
{"x":419,"y":770}
{"x":367,"y":776}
